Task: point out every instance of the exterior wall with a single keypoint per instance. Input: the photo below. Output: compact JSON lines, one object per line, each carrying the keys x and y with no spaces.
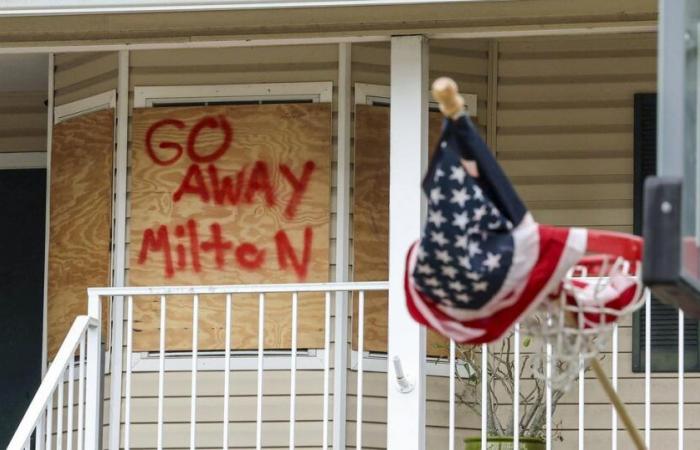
{"x":563,"y":127}
{"x":81,"y":75}
{"x":565,"y":137}
{"x":22,"y":122}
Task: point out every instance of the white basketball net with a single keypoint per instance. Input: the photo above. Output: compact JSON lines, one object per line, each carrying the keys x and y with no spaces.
{"x":576,"y":325}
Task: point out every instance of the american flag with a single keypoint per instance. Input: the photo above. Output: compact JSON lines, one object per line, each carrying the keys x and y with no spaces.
{"x":482,"y":261}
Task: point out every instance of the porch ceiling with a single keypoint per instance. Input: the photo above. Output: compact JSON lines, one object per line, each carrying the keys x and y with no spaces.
{"x":320,"y":22}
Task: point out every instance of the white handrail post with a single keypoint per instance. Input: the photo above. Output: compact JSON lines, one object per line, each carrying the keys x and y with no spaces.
{"x":408,"y":159}
{"x":93,"y":377}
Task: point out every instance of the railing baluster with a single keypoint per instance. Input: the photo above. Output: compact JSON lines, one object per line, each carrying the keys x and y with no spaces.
{"x":451,"y":419}
{"x":548,"y":396}
{"x":195,"y":344}
{"x":293,"y":374}
{"x":647,"y":370}
{"x":613,"y":425}
{"x":484,"y":394}
{"x":581,"y":401}
{"x":40,"y":441}
{"x":69,"y":406}
{"x":681,"y":378}
{"x":49,"y":423}
{"x":261,"y":351}
{"x":516,"y":388}
{"x":161,"y":372}
{"x":59,"y":411}
{"x":81,"y":395}
{"x":360,"y":367}
{"x":326,"y":369}
{"x":127,"y":381}
{"x":227,"y":369}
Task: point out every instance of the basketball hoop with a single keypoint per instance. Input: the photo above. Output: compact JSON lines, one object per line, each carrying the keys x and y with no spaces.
{"x":578,"y":320}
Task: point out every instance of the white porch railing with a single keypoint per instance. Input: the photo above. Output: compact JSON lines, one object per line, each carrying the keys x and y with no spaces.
{"x":56,"y":421}
{"x":43,"y":423}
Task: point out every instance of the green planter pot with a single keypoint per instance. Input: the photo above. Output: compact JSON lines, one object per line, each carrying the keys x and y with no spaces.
{"x":504,"y":443}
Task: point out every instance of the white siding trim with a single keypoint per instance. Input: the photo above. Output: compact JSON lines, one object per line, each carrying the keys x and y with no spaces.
{"x":146,"y":96}
{"x":368,"y":94}
{"x":22,"y":160}
{"x":105,"y":100}
{"x":240,"y":360}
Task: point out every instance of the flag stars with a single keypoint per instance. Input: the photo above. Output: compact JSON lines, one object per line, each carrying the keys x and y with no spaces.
{"x":465,"y":262}
{"x":478,"y":193}
{"x":440,"y":293}
{"x":463,"y":298}
{"x":425,"y":269}
{"x":439,"y":173}
{"x":421,"y":253}
{"x":432,"y":281}
{"x":492,"y":261}
{"x":460,"y":220}
{"x":458,"y":174}
{"x":473,"y":276}
{"x":443,"y":255}
{"x":436,"y":217}
{"x":436,"y":195}
{"x":480,"y":286}
{"x":460,"y":197}
{"x":461,"y":242}
{"x":479,"y":213}
{"x":449,"y":271}
{"x":473,"y":249}
{"x":439,"y":238}
{"x":456,"y":286}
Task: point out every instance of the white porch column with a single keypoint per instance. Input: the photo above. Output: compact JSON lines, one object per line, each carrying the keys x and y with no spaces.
{"x":408,"y":160}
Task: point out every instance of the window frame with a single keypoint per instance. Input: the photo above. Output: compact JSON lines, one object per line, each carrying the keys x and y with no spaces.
{"x":380,"y":95}
{"x":170,"y":96}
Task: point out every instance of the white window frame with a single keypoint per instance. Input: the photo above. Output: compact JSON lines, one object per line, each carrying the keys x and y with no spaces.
{"x":152,"y":96}
{"x":148,"y":96}
{"x":371,"y":94}
{"x":105,"y":100}
{"x":377,"y":94}
{"x":22,"y":160}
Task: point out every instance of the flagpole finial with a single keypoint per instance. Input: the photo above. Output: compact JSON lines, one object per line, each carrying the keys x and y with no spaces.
{"x":446,"y":94}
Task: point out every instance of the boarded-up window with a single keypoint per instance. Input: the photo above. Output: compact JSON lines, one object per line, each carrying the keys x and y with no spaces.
{"x":371,"y":220}
{"x":230,"y":195}
{"x":80,"y":217}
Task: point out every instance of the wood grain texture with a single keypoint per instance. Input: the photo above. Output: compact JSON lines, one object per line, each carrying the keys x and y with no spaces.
{"x":80,"y":217}
{"x":281,"y":134}
{"x":371,"y":220}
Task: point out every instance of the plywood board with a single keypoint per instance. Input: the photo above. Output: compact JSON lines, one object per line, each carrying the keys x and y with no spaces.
{"x":371,"y":220}
{"x":80,"y":217}
{"x":230,"y":195}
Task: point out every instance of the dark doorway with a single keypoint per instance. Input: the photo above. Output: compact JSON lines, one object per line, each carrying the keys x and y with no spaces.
{"x":22,"y":212}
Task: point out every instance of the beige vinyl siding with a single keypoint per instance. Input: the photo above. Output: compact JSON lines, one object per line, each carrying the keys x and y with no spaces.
{"x":565,"y":138}
{"x":81,"y":75}
{"x":22,"y":122}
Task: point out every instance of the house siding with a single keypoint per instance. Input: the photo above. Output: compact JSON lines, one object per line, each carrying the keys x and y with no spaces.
{"x":563,"y":110}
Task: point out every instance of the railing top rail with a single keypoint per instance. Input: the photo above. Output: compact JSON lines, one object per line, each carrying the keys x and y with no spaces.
{"x":50,"y":381}
{"x":240,"y":289}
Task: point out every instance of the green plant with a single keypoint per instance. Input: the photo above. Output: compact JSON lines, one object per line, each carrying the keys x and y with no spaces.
{"x":500,"y":386}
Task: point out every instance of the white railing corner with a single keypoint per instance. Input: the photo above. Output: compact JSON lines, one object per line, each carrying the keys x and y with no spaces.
{"x":93,"y":382}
